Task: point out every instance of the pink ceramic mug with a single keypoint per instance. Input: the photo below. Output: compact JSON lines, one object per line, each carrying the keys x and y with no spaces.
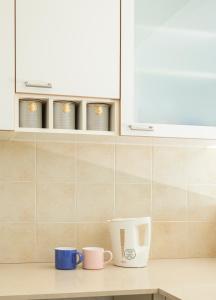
{"x":94,"y":258}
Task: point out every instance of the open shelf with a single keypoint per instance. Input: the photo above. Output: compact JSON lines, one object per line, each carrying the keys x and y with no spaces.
{"x":80,"y":114}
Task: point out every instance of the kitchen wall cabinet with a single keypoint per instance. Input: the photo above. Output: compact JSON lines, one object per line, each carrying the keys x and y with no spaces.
{"x":68,"y":47}
{"x":169,"y":68}
{"x":7,"y":78}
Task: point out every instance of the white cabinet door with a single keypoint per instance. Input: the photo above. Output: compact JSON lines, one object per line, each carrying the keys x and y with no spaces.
{"x":7,"y":78}
{"x":169,"y":68}
{"x":68,"y":47}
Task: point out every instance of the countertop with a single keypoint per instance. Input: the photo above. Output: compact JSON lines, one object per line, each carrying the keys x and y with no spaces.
{"x":186,"y":279}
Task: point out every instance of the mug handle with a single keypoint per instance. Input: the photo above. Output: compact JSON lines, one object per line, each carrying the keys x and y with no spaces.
{"x":110,"y":256}
{"x":80,"y":257}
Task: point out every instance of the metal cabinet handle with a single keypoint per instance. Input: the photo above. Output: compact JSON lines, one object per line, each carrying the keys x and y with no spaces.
{"x":141,"y":127}
{"x":46,"y":85}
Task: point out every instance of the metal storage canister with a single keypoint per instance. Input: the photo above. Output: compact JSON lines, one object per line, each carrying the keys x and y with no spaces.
{"x":30,"y":113}
{"x":64,"y":115}
{"x":98,"y":116}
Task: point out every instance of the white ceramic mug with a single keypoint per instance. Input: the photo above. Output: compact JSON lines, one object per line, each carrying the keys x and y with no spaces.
{"x":94,"y":258}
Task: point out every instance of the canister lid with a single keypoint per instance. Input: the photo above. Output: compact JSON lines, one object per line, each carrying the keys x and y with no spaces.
{"x":99,"y":104}
{"x":64,"y":101}
{"x":32,"y":100}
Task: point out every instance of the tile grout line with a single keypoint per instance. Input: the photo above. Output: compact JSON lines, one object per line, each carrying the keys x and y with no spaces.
{"x":187,"y":203}
{"x":187,"y":222}
{"x":151,"y":185}
{"x":76,"y":188}
{"x":35,"y":181}
{"x":151,"y":192}
{"x":75,"y":175}
{"x":99,"y":222}
{"x":114,"y":179}
{"x":35,"y":213}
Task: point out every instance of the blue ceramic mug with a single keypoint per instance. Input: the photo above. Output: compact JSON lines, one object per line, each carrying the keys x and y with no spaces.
{"x":67,"y":258}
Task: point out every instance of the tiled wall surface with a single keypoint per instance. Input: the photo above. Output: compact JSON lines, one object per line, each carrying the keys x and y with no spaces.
{"x":61,"y":192}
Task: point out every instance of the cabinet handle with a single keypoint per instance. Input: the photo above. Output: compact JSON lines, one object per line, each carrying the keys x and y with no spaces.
{"x":45,"y":85}
{"x":141,"y":127}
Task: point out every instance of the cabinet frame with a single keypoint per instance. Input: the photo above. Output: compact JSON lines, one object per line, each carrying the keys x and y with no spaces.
{"x":128,"y":125}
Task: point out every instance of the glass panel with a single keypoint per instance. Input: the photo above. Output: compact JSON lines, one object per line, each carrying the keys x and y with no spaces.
{"x":175,"y":62}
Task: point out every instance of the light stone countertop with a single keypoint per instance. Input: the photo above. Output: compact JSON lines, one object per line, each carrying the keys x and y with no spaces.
{"x":187,"y":279}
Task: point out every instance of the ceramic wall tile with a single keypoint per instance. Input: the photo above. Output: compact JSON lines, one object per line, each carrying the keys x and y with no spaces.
{"x":17,"y":201}
{"x":95,"y":139}
{"x":23,"y":137}
{"x":17,"y":160}
{"x":133,"y":163}
{"x":133,"y":200}
{"x":169,"y":240}
{"x":170,"y":166}
{"x":56,"y":161}
{"x":6,"y":135}
{"x":201,"y":166}
{"x":55,"y":138}
{"x":169,"y":203}
{"x":93,"y":234}
{"x":17,"y":242}
{"x":183,"y":142}
{"x":201,"y":239}
{"x":95,"y":202}
{"x":56,"y":202}
{"x":95,"y":163}
{"x":133,"y":140}
{"x":202,"y":203}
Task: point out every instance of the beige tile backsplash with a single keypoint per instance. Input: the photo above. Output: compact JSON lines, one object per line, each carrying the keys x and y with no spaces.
{"x":55,"y":161}
{"x":95,"y":163}
{"x":133,"y":163}
{"x":169,"y":203}
{"x":17,"y":201}
{"x":132,"y":200}
{"x":55,"y":202}
{"x":60,"y":192}
{"x":17,"y":242}
{"x":17,"y":160}
{"x":95,"y":202}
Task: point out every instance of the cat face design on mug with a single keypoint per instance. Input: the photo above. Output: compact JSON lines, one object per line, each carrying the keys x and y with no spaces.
{"x":129,"y":254}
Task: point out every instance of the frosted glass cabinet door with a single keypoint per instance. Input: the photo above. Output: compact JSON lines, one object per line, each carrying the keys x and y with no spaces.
{"x":169,"y":68}
{"x":68,"y":47}
{"x":7,"y":78}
